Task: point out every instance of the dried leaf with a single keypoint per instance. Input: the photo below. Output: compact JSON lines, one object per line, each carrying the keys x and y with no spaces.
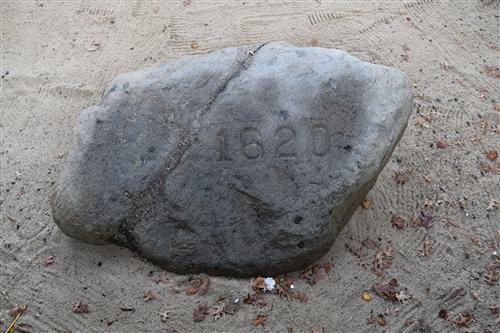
{"x":219,"y":308}
{"x":194,"y":45}
{"x":493,"y":205}
{"x":165,"y":316}
{"x":259,"y":320}
{"x":370,"y":244}
{"x":492,"y":155}
{"x":397,"y":222}
{"x":464,"y":320}
{"x":401,"y":297}
{"x":383,"y":260}
{"x":200,"y":312}
{"x":366,"y":204}
{"x":380,"y":320}
{"x":366,"y":296}
{"x":255,"y":299}
{"x":426,"y":249}
{"x":190,"y":291}
{"x":149,"y":296}
{"x":491,"y":274}
{"x":162,"y":277}
{"x":401,"y":177}
{"x":205,"y":285}
{"x":314,"y":42}
{"x":317,"y":329}
{"x":424,"y":220}
{"x":493,"y":71}
{"x":49,"y":261}
{"x":16,"y":310}
{"x":441,"y":144}
{"x":388,"y":291}
{"x":258,"y":283}
{"x":458,"y":292}
{"x":443,"y":313}
{"x":223,"y":307}
{"x":80,"y":308}
{"x":314,"y":273}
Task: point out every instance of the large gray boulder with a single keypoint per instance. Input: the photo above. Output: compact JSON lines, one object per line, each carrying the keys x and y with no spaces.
{"x":236,"y":162}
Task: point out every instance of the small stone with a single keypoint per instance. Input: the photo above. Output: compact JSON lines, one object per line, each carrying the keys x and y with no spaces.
{"x":234,"y":162}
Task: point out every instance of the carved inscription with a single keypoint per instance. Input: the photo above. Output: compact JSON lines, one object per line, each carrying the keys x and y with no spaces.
{"x":248,"y":142}
{"x":286,"y":142}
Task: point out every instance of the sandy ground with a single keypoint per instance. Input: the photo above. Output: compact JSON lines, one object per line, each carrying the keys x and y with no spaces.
{"x":58,"y":56}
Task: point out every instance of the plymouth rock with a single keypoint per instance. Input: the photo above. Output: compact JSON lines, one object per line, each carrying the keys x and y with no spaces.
{"x":237,"y":162}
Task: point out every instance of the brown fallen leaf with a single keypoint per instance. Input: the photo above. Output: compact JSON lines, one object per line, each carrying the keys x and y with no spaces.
{"x":370,"y":244}
{"x":162,"y":277}
{"x":493,"y":71}
{"x":491,"y":274}
{"x":441,"y":144}
{"x":149,"y":296}
{"x":205,"y":285}
{"x":457,"y":292}
{"x":401,"y":177}
{"x":388,"y":291}
{"x":489,"y":168}
{"x":255,"y":299}
{"x":315,"y":273}
{"x":16,"y":310}
{"x":223,"y":307}
{"x":451,"y":222}
{"x":424,"y":220}
{"x":426,"y":249}
{"x":464,"y":319}
{"x":314,"y":42}
{"x":259,"y":320}
{"x":317,"y":329}
{"x":49,"y":261}
{"x":258,"y":283}
{"x":80,"y":308}
{"x":380,"y":320}
{"x":218,"y":308}
{"x":397,"y":222}
{"x":443,"y":313}
{"x":383,"y":260}
{"x":200,"y":312}
{"x":194,"y":45}
{"x":190,"y":291}
{"x":366,"y":204}
{"x":493,"y":205}
{"x":492,"y":155}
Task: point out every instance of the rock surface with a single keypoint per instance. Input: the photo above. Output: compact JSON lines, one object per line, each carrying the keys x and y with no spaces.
{"x":235,"y":162}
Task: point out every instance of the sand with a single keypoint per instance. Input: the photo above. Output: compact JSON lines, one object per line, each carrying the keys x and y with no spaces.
{"x":57,"y":58}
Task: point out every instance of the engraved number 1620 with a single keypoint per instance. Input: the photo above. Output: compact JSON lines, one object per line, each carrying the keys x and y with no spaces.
{"x":252,"y":146}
